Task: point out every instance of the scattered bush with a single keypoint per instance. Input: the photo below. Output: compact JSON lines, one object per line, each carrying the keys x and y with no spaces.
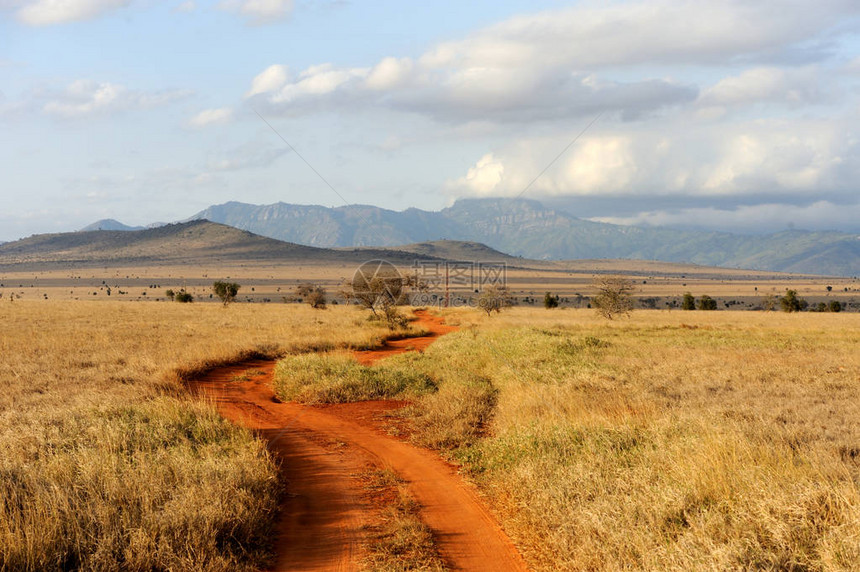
{"x":707,"y":303}
{"x":183,"y":297}
{"x":550,"y":301}
{"x":613,"y":297}
{"x":313,"y":294}
{"x":689,"y":302}
{"x":835,"y":306}
{"x":494,"y":299}
{"x":226,"y":291}
{"x":791,"y":303}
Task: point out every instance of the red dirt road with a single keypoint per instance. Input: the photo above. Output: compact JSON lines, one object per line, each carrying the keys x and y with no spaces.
{"x":435,"y":325}
{"x":322,"y":449}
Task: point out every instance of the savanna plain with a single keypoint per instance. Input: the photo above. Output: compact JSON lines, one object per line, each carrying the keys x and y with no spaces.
{"x":668,"y":440}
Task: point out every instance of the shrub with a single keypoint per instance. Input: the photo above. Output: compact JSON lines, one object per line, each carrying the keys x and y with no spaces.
{"x":613,"y":296}
{"x":791,"y":303}
{"x":707,"y":303}
{"x":183,"y":297}
{"x":550,"y":301}
{"x":313,"y":294}
{"x":493,"y":299}
{"x":226,"y":291}
{"x":835,"y":306}
{"x":689,"y":302}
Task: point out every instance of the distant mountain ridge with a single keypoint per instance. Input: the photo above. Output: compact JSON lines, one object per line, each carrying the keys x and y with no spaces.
{"x":194,"y":242}
{"x":527,"y":228}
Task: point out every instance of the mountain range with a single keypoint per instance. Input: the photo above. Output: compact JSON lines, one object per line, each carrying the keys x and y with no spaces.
{"x":529,"y":229}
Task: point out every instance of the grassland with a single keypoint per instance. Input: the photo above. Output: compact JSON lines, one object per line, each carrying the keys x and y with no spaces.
{"x":107,"y":463}
{"x":670,"y":441}
{"x":667,"y":441}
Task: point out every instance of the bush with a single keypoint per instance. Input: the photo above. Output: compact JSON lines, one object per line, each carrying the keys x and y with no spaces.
{"x":550,"y":301}
{"x":707,"y":303}
{"x":835,"y":306}
{"x":183,"y":297}
{"x":613,"y":296}
{"x":689,"y":302}
{"x":493,"y":299}
{"x":226,"y":291}
{"x":313,"y":294}
{"x":791,"y":303}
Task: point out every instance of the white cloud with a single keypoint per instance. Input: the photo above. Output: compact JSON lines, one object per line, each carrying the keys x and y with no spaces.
{"x":484,"y":177}
{"x":759,"y":218}
{"x":270,"y":79}
{"x":259,"y":11}
{"x":630,"y":33}
{"x":84,"y":98}
{"x":389,"y":73}
{"x":211,"y":117}
{"x":766,"y":85}
{"x":49,"y":12}
{"x":803,"y":158}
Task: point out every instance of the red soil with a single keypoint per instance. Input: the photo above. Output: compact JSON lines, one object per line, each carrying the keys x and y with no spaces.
{"x":435,"y":326}
{"x":322,"y":451}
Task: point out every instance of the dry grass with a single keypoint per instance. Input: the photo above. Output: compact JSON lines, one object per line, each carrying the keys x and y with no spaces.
{"x":670,"y":441}
{"x":401,"y":542}
{"x":106,"y":463}
{"x":338,"y":378}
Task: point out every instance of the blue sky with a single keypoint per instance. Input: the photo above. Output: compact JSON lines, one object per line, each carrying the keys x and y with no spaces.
{"x":726,"y":115}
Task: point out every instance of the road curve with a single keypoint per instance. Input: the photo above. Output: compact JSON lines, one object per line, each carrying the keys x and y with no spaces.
{"x":321,"y":449}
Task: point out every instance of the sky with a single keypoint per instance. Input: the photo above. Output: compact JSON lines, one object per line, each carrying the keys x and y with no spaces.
{"x":733,"y":115}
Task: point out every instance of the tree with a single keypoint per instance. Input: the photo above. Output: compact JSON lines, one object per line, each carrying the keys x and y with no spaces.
{"x":835,"y":306}
{"x":689,"y":302}
{"x":768,"y":302}
{"x":171,"y":294}
{"x":313,"y":294}
{"x":707,"y":303}
{"x":550,"y":301}
{"x":613,"y":296}
{"x":494,"y":299}
{"x":791,"y":303}
{"x":226,"y":291}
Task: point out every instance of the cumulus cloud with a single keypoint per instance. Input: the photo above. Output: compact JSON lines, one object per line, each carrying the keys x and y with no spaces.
{"x":259,"y":11}
{"x":557,"y":64}
{"x":211,"y":117}
{"x":792,"y":87}
{"x":84,"y":98}
{"x":484,"y":177}
{"x":463,"y":95}
{"x":49,"y":12}
{"x":269,"y":80}
{"x":768,"y":158}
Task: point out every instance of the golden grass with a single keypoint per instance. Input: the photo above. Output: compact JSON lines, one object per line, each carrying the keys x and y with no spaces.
{"x":401,"y":542}
{"x":669,"y":441}
{"x":106,"y":462}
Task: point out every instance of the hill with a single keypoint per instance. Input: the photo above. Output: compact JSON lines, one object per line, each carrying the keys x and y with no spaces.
{"x":194,"y":242}
{"x":109,"y":224}
{"x":528,"y":229}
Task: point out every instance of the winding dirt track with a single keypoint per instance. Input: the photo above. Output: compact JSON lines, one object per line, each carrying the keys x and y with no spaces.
{"x":322,"y":449}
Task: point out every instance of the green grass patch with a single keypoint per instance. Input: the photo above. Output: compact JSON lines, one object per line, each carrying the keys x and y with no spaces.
{"x":338,"y":378}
